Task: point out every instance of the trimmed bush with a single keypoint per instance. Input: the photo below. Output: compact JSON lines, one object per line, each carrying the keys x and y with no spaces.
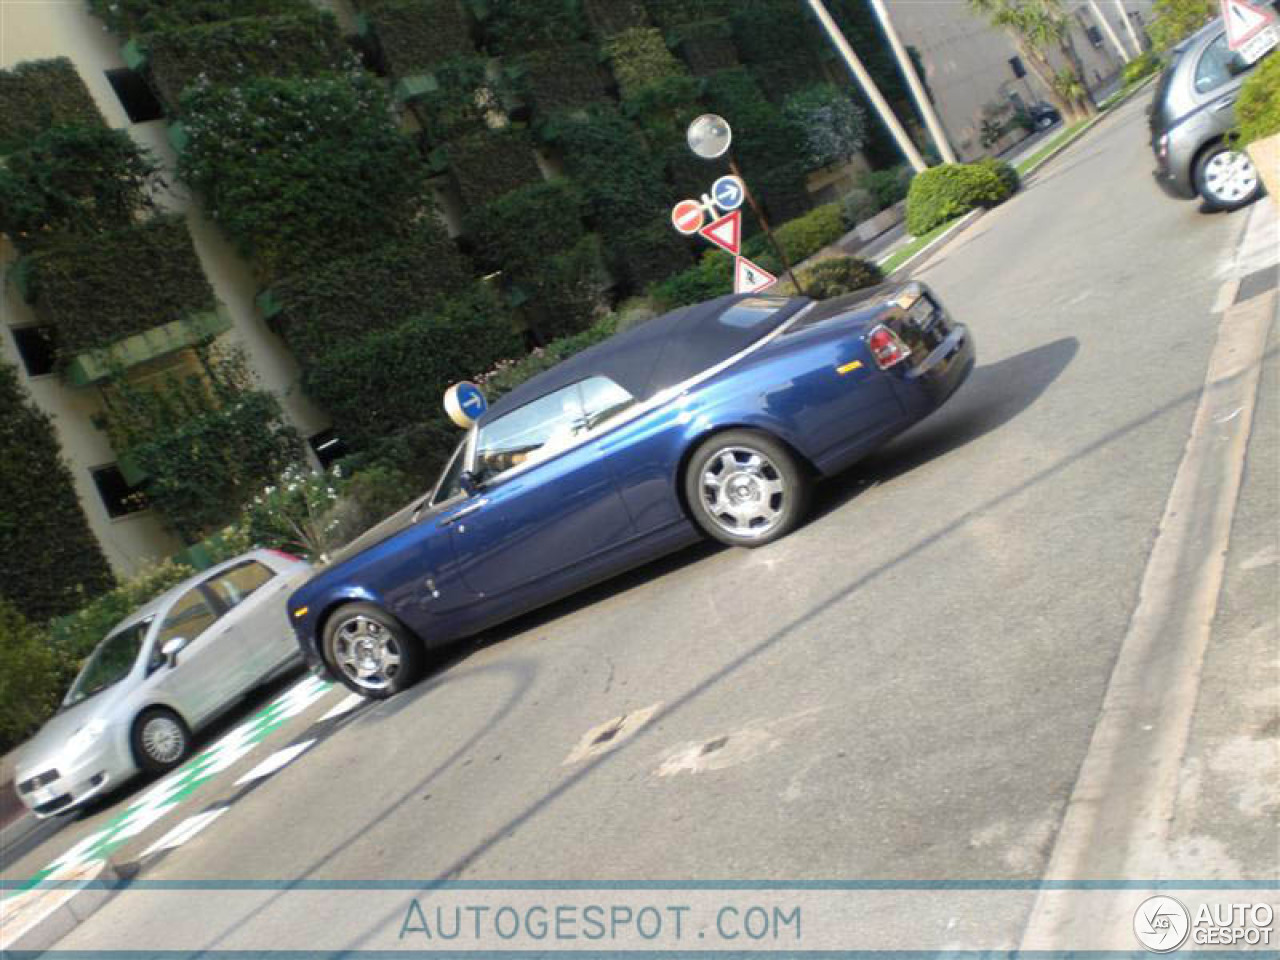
{"x":31,"y":678}
{"x":487,"y":165}
{"x":74,"y":181}
{"x":1005,"y":171}
{"x":857,"y":206}
{"x":804,"y":236}
{"x":513,"y":26}
{"x":388,"y":379}
{"x":664,"y":109}
{"x":50,"y":562}
{"x":131,"y":17}
{"x":608,"y":17}
{"x":706,"y":45}
{"x":98,"y":291}
{"x":834,"y":126}
{"x":945,"y":192}
{"x":645,"y":252}
{"x":887,"y":186}
{"x":40,"y":94}
{"x":1258,"y":107}
{"x":1141,"y":67}
{"x":561,"y":79}
{"x":520,"y":228}
{"x":839,"y":275}
{"x":712,"y":277}
{"x":782,"y":192}
{"x":417,"y":35}
{"x":334,"y":302}
{"x":301,"y":170}
{"x":566,"y":292}
{"x":232,"y":51}
{"x":639,"y":57}
{"x":611,"y":164}
{"x":464,"y":95}
{"x":673,"y":13}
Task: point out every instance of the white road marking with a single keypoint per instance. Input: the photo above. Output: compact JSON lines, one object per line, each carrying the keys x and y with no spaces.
{"x":184,"y":831}
{"x":280,"y":758}
{"x":352,"y":701}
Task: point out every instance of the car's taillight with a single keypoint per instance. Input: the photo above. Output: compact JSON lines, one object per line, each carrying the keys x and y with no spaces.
{"x":285,"y":555}
{"x":887,"y":347}
{"x":1162,"y":146}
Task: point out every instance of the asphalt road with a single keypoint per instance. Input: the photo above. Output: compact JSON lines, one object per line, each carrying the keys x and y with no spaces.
{"x":905,"y":688}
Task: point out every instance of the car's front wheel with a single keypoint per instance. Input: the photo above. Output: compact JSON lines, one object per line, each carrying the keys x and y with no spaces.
{"x":161,"y":740}
{"x":745,"y":488}
{"x":1227,"y":179}
{"x":373,"y":653}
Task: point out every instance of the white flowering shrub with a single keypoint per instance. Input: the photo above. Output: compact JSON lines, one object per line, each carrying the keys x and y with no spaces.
{"x":835,"y":127}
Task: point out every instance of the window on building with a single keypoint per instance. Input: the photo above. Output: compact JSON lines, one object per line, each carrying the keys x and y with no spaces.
{"x":1019,"y":71}
{"x":36,"y":348}
{"x":1094,"y":35}
{"x":118,"y":496}
{"x":328,"y":448}
{"x":135,"y":95}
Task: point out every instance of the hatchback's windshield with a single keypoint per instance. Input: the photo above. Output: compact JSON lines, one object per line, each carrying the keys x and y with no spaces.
{"x":109,"y":664}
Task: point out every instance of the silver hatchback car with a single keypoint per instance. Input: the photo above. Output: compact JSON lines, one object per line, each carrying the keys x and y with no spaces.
{"x":162,"y":673}
{"x":1192,"y":115}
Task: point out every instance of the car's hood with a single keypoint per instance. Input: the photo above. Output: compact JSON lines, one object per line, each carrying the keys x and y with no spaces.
{"x":388,"y":528}
{"x":42,"y":750}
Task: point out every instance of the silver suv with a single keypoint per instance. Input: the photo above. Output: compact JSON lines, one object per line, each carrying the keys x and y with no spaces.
{"x":1191,"y":116}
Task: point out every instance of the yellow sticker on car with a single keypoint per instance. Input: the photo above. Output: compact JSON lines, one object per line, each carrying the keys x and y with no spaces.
{"x":849,"y":367}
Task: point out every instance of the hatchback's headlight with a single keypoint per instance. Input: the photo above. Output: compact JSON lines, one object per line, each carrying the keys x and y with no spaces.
{"x":85,"y":737}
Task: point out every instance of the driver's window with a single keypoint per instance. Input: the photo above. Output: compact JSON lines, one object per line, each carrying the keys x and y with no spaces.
{"x":602,"y":400}
{"x":450,"y":484}
{"x":532,"y":432}
{"x":1218,"y":64}
{"x":189,"y":617}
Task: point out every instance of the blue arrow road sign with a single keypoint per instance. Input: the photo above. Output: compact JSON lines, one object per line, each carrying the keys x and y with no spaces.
{"x":728,"y":193}
{"x":472,"y":400}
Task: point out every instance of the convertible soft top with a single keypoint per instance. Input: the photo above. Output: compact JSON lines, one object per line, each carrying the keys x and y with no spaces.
{"x":663,"y":351}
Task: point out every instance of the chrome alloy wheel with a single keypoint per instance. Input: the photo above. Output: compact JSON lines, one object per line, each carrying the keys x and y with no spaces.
{"x":1230,"y":177}
{"x":163,"y":739}
{"x":367,"y":652}
{"x":743,"y":491}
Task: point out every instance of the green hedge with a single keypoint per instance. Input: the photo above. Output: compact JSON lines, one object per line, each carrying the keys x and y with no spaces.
{"x":639,"y":57}
{"x":611,"y":164}
{"x":101,"y":290}
{"x":608,"y":17}
{"x":518,"y":230}
{"x":711,"y":277}
{"x":514,"y":26}
{"x":378,"y":384}
{"x":40,"y":94}
{"x":663,"y":109}
{"x":487,"y":165}
{"x":1005,"y":171}
{"x":74,"y":180}
{"x":834,"y":126}
{"x":837,"y":276}
{"x":464,"y":92}
{"x":236,"y":50}
{"x":1258,"y":107}
{"x":320,"y":172}
{"x":804,"y":236}
{"x":31,"y":677}
{"x":131,"y":17}
{"x":335,"y":301}
{"x":417,"y":35}
{"x":706,"y":46}
{"x":645,"y":251}
{"x":49,"y":560}
{"x":566,"y":292}
{"x":673,"y":13}
{"x":945,"y":192}
{"x":770,"y":31}
{"x":564,"y":78}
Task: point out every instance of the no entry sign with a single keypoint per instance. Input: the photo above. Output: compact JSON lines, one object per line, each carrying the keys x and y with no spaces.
{"x":687,"y":216}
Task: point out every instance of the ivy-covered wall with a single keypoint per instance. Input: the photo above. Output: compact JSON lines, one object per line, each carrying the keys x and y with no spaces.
{"x":40,"y":94}
{"x":50,"y":562}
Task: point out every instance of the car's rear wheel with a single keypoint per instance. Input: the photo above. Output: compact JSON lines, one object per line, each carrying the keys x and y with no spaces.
{"x":1227,"y":179}
{"x":745,"y":488}
{"x":161,"y":740}
{"x":373,"y":653}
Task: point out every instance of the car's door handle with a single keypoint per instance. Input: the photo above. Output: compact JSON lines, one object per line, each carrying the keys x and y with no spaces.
{"x":1224,"y":103}
{"x":464,"y":512}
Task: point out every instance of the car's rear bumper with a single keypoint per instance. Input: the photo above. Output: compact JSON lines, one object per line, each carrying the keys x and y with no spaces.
{"x":928,"y":385}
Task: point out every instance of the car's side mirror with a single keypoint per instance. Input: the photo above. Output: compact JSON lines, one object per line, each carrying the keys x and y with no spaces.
{"x":469,"y":482}
{"x":171,"y":648}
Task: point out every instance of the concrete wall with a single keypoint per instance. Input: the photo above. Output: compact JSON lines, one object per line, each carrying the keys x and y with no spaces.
{"x":64,"y":28}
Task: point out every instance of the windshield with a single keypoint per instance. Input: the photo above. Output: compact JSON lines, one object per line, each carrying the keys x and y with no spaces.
{"x":109,"y":664}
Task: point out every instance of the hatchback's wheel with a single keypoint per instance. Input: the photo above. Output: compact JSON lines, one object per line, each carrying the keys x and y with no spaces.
{"x":745,"y":488}
{"x":1227,"y":178}
{"x":373,"y":653}
{"x":161,"y":740}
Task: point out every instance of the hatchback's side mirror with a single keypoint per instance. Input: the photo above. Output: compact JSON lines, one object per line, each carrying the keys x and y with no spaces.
{"x":171,"y":648}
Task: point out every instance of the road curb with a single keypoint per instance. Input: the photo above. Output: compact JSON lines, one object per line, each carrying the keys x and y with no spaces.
{"x":43,"y":915}
{"x":937,"y":243}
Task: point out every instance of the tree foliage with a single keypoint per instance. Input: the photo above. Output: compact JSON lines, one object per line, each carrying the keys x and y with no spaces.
{"x":1173,"y":20}
{"x":834,"y":126}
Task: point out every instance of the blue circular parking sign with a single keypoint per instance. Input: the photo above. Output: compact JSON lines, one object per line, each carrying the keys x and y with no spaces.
{"x":465,"y":403}
{"x":728,"y":193}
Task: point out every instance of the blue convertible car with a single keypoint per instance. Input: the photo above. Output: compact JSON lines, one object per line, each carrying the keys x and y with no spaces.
{"x":714,"y":419}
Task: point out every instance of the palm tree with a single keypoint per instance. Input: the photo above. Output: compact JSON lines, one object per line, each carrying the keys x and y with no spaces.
{"x":1036,"y":27}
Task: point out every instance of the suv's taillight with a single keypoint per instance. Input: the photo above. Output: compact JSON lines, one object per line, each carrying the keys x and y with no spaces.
{"x":284,"y":555}
{"x":887,"y":347}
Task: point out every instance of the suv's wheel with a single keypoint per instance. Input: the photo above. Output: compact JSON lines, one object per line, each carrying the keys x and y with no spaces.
{"x":373,"y":653}
{"x":745,"y":488}
{"x":1227,"y":178}
{"x":160,"y":740}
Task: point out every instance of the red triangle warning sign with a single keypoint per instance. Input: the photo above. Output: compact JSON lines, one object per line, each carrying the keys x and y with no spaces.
{"x":748,"y":278}
{"x":726,"y":232}
{"x":1244,"y":21}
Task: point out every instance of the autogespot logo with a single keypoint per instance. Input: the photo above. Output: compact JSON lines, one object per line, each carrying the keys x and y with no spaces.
{"x":1161,"y":924}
